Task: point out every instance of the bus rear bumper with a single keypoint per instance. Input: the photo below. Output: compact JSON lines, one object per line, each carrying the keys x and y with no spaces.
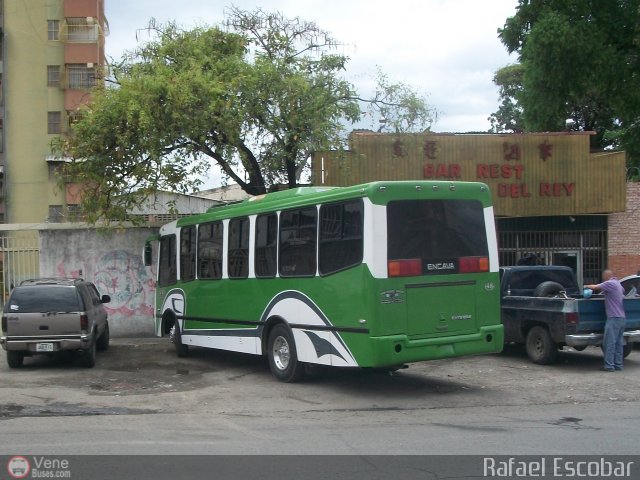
{"x":399,"y":349}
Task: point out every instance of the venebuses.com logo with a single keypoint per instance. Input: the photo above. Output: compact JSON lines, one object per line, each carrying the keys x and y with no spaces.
{"x":18,"y":467}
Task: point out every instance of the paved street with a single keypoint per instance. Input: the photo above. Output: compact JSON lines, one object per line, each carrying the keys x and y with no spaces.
{"x":142,"y":399}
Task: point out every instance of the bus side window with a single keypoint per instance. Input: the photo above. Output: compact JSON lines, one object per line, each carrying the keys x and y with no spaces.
{"x":167,"y":274}
{"x":266,"y":246}
{"x":238,"y":261}
{"x":298,"y":242}
{"x":188,"y":253}
{"x":210,"y":250}
{"x":341,"y":241}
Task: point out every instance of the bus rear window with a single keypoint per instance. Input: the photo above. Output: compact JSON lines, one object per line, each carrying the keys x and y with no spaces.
{"x":436,"y":236}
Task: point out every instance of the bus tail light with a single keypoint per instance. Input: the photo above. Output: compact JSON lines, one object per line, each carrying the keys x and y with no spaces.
{"x":4,"y":324}
{"x":84,"y":322}
{"x":473,"y":264}
{"x":405,"y":268}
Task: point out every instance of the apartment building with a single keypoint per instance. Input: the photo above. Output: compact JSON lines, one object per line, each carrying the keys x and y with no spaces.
{"x":51,"y":55}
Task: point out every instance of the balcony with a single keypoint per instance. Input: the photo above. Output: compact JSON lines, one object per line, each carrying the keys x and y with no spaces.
{"x":80,"y":30}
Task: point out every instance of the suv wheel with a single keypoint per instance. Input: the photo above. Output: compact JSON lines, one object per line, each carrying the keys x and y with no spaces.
{"x":14,"y":358}
{"x":103,"y":341}
{"x":89,"y":356}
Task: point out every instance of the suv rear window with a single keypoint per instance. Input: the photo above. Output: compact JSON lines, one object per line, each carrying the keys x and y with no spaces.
{"x":43,"y":298}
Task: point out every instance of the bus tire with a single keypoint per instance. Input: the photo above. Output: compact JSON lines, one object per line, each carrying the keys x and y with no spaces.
{"x":182,"y":350}
{"x":540,"y":346}
{"x":283,"y":357}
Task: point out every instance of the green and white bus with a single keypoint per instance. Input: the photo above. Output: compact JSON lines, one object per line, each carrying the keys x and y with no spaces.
{"x":373,"y":275}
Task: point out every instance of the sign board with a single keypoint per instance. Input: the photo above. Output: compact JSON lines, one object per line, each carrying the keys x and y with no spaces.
{"x":536,"y":174}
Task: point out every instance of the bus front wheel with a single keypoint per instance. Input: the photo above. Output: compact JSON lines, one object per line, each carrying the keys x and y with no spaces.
{"x":283,"y":358}
{"x":182,"y":350}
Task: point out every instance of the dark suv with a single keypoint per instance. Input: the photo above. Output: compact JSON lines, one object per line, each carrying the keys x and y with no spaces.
{"x":49,"y":315}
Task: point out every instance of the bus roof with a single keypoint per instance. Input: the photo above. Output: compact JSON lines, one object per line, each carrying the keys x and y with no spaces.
{"x":380,"y":192}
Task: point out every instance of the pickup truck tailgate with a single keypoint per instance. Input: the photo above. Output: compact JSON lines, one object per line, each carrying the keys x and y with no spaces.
{"x":592,"y":314}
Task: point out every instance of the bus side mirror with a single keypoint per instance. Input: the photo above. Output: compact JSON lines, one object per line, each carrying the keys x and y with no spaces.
{"x":148,"y":251}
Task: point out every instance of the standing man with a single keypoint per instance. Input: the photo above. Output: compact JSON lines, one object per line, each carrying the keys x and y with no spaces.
{"x":613,"y":342}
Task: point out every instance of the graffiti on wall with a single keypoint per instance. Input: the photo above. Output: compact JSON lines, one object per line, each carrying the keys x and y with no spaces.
{"x":119,"y":274}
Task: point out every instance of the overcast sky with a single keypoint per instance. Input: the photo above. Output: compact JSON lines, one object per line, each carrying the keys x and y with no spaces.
{"x":447,"y":49}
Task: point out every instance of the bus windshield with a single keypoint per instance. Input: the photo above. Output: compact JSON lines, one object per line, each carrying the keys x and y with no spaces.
{"x":439,"y":233}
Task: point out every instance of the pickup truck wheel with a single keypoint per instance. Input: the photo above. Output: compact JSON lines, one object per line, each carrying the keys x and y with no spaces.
{"x":579,"y":348}
{"x":15,"y":359}
{"x":626,"y":350}
{"x":103,"y":340}
{"x":548,"y":289}
{"x":89,"y":356}
{"x":540,"y":346}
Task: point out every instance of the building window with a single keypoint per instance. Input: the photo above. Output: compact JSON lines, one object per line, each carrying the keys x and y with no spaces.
{"x":53,"y":75}
{"x":74,"y":116}
{"x":75,"y":213}
{"x":53,"y":122}
{"x":53,"y":29}
{"x":80,"y":76}
{"x":56,"y":215}
{"x":81,"y":31}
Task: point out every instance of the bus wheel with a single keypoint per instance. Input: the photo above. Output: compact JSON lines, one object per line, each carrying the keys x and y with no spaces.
{"x":540,"y":346}
{"x":283,"y":359}
{"x":176,"y":338}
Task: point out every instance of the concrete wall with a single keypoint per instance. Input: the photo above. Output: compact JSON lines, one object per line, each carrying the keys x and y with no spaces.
{"x":113,"y":261}
{"x":624,"y":235}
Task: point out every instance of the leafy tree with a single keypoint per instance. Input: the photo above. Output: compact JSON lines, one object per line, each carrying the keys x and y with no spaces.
{"x":579,"y":61}
{"x":508,"y":118}
{"x":255,"y":97}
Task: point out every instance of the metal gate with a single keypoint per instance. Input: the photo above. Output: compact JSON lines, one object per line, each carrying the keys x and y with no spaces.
{"x":585,"y":252}
{"x":19,"y":258}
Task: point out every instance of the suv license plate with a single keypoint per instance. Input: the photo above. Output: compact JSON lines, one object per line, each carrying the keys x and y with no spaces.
{"x":44,"y":347}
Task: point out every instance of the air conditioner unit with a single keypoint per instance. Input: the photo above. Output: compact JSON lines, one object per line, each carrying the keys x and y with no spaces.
{"x":89,"y":65}
{"x":90,"y":20}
